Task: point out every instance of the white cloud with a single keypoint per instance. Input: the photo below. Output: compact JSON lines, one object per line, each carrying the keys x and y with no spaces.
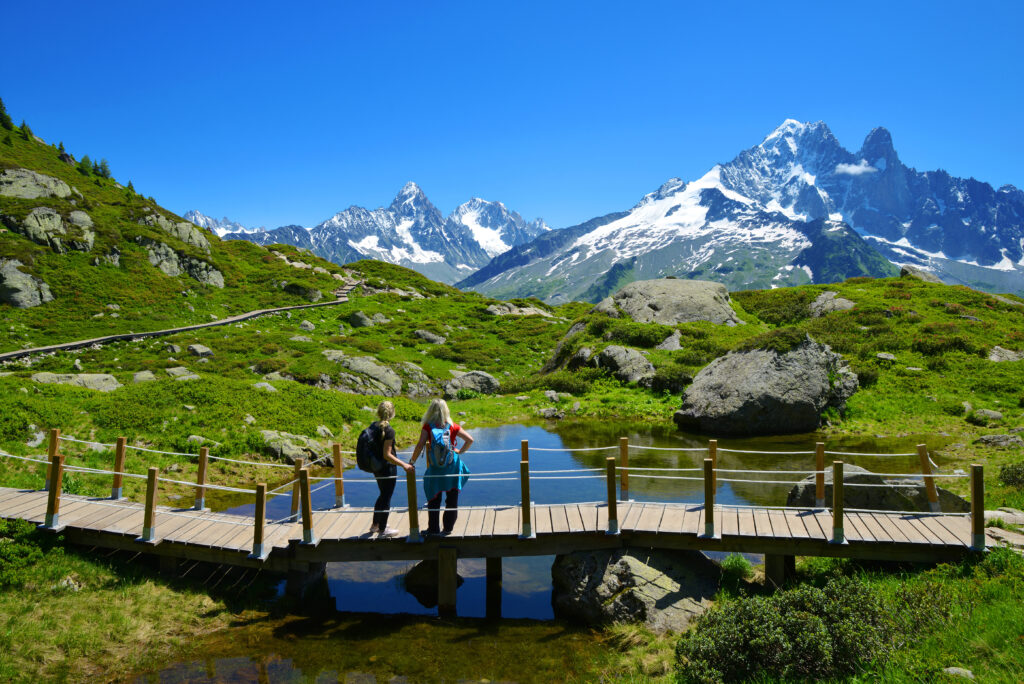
{"x":858,"y":169}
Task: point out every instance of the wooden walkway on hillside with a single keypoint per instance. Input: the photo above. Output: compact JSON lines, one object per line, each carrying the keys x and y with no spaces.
{"x":341,"y":534}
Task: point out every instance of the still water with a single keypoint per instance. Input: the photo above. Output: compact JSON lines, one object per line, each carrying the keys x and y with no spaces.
{"x":370,"y":600}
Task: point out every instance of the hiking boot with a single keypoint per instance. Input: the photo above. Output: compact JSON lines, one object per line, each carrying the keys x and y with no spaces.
{"x":387,"y":533}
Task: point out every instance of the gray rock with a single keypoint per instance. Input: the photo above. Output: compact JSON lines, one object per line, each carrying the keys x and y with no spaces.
{"x":366,"y":376}
{"x":960,"y":672}
{"x":380,"y":319}
{"x":827,"y":302}
{"x":300,"y":338}
{"x":31,"y":185}
{"x":477,"y":381}
{"x":900,"y":494}
{"x":1007,"y":300}
{"x":763,"y":392}
{"x":143,"y":376}
{"x":307,"y":326}
{"x":249,"y":419}
{"x":966,"y":317}
{"x":111,"y":258}
{"x":182,"y":230}
{"x":36,"y":439}
{"x":77,"y":365}
{"x":101,"y":382}
{"x":174,"y":263}
{"x":988,"y":415}
{"x":360,"y":320}
{"x":672,"y":342}
{"x":522,"y":397}
{"x":430,"y":337}
{"x":324,"y":432}
{"x":999,"y":354}
{"x":1001,"y":441}
{"x":671,"y":301}
{"x":885,"y":356}
{"x":172,"y":349}
{"x":181,"y":373}
{"x":551,"y":395}
{"x":265,"y":386}
{"x":580,"y":358}
{"x":626,"y":364}
{"x":289,"y":447}
{"x":277,"y":377}
{"x":551,"y":413}
{"x":113,"y":307}
{"x":920,"y":274}
{"x":80,"y":219}
{"x":575,"y":407}
{"x":43,"y":226}
{"x":200,"y":350}
{"x":509,"y":309}
{"x":20,"y":289}
{"x":666,"y":590}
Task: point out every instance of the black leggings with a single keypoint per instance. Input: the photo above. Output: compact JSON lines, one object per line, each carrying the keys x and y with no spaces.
{"x":451,"y":505}
{"x":383,"y":505}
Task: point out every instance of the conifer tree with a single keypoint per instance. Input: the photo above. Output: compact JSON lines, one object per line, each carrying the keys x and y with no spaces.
{"x":104,"y":168}
{"x":5,"y":118}
{"x":8,"y":141}
{"x":85,"y":166}
{"x":26,"y":132}
{"x":96,"y":169}
{"x":60,"y":147}
{"x":131,"y":188}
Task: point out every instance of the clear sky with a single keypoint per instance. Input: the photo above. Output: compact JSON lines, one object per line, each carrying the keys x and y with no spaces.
{"x":287,"y":112}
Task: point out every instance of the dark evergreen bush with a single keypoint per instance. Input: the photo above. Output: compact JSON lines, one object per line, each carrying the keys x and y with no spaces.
{"x":1012,"y":474}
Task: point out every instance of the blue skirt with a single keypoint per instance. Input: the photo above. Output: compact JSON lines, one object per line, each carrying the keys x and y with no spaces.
{"x":456,"y":474}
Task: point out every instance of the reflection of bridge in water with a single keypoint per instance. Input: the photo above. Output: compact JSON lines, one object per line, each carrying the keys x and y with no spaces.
{"x":302,"y":542}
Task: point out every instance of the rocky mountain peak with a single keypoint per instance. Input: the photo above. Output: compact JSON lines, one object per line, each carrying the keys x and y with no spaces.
{"x":878,"y":145}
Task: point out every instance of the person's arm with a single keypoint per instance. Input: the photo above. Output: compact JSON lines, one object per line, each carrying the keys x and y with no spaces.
{"x":389,"y":454}
{"x":419,"y":447}
{"x":467,"y":440}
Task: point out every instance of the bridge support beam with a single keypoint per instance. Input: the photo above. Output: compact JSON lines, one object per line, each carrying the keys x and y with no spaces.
{"x":301,"y":579}
{"x":447,"y":580}
{"x":778,"y":568}
{"x":492,"y":610}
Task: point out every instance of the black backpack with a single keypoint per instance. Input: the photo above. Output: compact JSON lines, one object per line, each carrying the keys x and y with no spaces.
{"x":368,"y":449}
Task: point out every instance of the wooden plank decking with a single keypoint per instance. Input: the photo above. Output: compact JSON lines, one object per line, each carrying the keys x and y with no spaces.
{"x":341,"y":534}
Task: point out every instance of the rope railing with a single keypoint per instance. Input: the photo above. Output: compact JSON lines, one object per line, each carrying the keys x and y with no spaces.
{"x":616,"y":473}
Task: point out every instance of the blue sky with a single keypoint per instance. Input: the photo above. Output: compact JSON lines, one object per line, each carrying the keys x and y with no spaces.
{"x":275,"y":113}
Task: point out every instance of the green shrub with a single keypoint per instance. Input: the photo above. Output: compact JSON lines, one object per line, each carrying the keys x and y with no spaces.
{"x":1012,"y":474}
{"x":599,"y":324}
{"x":271,"y":365}
{"x":803,"y":633}
{"x":465,"y":393}
{"x":639,"y":334}
{"x":781,"y":306}
{"x":19,"y":548}
{"x":780,"y":341}
{"x":735,"y":567}
{"x":671,"y":378}
{"x":866,"y":375}
{"x":576,"y":382}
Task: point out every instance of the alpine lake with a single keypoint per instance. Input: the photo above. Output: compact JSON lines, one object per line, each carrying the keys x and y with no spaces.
{"x":363,"y":626}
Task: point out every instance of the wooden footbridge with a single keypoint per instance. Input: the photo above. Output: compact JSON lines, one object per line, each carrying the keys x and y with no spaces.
{"x":304,"y":541}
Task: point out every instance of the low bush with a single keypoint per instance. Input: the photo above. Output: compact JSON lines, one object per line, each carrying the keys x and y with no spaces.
{"x":271,"y":365}
{"x":645,"y":335}
{"x":1012,"y":474}
{"x":671,"y":378}
{"x":780,"y":341}
{"x":866,"y":375}
{"x":778,"y":307}
{"x":735,"y":567}
{"x":576,"y":382}
{"x":19,"y":548}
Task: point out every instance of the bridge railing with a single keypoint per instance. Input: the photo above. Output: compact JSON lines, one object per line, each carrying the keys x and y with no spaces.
{"x":616,"y":472}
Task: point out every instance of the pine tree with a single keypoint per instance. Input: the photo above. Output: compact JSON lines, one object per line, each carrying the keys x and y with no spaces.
{"x":96,"y":169}
{"x":60,"y":147}
{"x":85,"y":166}
{"x":26,"y":132}
{"x":131,"y":188}
{"x":5,"y":118}
{"x":8,"y":141}
{"x":104,"y":168}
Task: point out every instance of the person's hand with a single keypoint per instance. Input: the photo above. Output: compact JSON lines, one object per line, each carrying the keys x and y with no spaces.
{"x":408,"y":467}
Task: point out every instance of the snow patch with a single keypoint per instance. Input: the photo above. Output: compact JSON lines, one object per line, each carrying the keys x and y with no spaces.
{"x":488,"y":238}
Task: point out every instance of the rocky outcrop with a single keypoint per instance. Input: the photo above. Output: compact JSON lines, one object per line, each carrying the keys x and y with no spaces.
{"x":625,"y":363}
{"x":763,"y":392}
{"x":430,"y":337}
{"x":200,"y":350}
{"x":909,"y":271}
{"x":181,"y":373}
{"x":101,"y":382}
{"x":477,"y":381}
{"x":289,"y":447}
{"x":671,"y":301}
{"x":366,"y":376}
{"x":998,"y":354}
{"x":31,"y":185}
{"x":509,"y":309}
{"x":672,"y":342}
{"x":174,"y":263}
{"x":417,"y":383}
{"x":897,"y":494}
{"x":20,"y":289}
{"x":1001,"y":441}
{"x":358,"y":319}
{"x":183,"y":230}
{"x":45,"y":226}
{"x":665,"y":590}
{"x":827,"y":302}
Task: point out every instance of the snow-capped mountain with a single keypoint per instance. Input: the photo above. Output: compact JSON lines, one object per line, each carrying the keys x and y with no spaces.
{"x":796,"y":208}
{"x":413,"y":233}
{"x":220,"y":227}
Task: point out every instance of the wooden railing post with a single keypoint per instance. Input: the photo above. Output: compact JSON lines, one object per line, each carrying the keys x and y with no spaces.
{"x":977,"y":507}
{"x":117,"y":489}
{"x":307,"y":508}
{"x":56,"y":469}
{"x":524,"y":483}
{"x":709,"y":498}
{"x":414,"y":511}
{"x":624,"y":469}
{"x":260,"y":519}
{"x":713,"y":455}
{"x":149,"y":519}
{"x":339,"y":483}
{"x":51,"y":451}
{"x":613,"y":508}
{"x":819,"y":476}
{"x":929,"y":481}
{"x":296,"y":494}
{"x":838,"y":537}
{"x":204,"y":459}
{"x":524,"y":449}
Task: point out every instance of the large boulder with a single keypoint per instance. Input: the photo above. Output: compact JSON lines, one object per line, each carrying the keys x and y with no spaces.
{"x":20,"y":289}
{"x":884,"y":494}
{"x":432,"y":338}
{"x":625,"y":363}
{"x":477,"y":381}
{"x":288,"y":447}
{"x":366,"y":376}
{"x":174,"y":263}
{"x":358,"y":319}
{"x":509,"y":309}
{"x":764,"y":392}
{"x":827,"y":302}
{"x":31,"y":185}
{"x":909,"y":271}
{"x":666,"y":590}
{"x":671,"y":301}
{"x":101,"y":382}
{"x":183,"y":230}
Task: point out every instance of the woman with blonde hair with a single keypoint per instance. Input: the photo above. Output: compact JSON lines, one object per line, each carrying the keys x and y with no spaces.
{"x":446,"y":473}
{"x":387,"y":471}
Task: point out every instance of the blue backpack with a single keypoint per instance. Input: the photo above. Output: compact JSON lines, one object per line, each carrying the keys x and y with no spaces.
{"x":442,"y":451}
